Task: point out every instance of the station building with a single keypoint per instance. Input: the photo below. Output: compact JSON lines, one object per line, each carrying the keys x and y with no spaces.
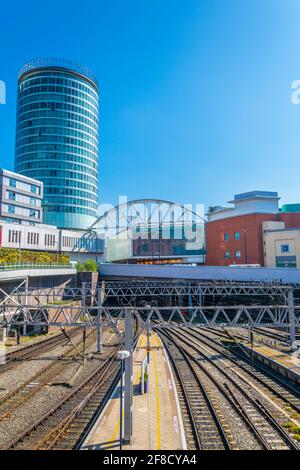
{"x":174,"y":244}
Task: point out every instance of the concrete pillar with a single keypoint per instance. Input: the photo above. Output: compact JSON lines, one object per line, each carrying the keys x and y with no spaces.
{"x":128,"y":378}
{"x":292,"y":327}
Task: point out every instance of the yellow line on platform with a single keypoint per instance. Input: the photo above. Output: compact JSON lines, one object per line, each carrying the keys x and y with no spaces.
{"x":157,"y":401}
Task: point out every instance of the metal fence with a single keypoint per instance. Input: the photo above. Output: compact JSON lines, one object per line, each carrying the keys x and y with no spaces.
{"x":16,"y":267}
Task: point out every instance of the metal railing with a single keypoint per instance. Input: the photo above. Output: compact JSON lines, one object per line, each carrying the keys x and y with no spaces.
{"x":16,"y":267}
{"x":60,"y":63}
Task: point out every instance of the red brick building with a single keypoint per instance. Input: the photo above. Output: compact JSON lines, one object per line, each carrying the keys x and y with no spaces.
{"x":236,"y":240}
{"x":234,"y":234}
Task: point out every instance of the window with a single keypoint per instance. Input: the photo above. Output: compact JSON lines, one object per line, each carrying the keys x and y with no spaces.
{"x":227,"y":254}
{"x":11,"y":196}
{"x":32,"y":213}
{"x":33,"y":188}
{"x":285,"y":248}
{"x":14,"y":236}
{"x":11,"y":209}
{"x":237,"y":235}
{"x":12,"y":182}
{"x":237,"y":253}
{"x":226,"y":237}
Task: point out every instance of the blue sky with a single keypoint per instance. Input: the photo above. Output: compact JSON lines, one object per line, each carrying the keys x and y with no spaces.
{"x":195,"y":96}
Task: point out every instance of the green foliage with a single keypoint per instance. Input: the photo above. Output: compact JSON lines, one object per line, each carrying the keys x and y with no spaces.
{"x":15,"y":256}
{"x":294,"y":428}
{"x":146,"y":376}
{"x":90,"y":265}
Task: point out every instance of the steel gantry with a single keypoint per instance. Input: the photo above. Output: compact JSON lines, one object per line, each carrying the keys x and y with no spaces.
{"x":117,"y":289}
{"x":106,"y":303}
{"x":90,"y":305}
{"x":277,"y":316}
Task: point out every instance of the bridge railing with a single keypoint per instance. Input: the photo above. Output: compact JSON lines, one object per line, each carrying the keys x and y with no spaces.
{"x":21,"y":266}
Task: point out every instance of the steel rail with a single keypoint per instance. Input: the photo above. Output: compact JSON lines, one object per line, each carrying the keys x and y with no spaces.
{"x":42,"y":420}
{"x":185,"y":397}
{"x":18,"y":396}
{"x":31,"y":350}
{"x":215,"y":418}
{"x":268,"y":372}
{"x":285,"y":436}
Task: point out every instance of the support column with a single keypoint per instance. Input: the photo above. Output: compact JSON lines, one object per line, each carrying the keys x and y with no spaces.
{"x":148,"y":341}
{"x":292,"y":327}
{"x":128,"y":378}
{"x":99,"y":322}
{"x":83,"y":295}
{"x":84,"y":344}
{"x":200,"y":298}
{"x":26,"y":303}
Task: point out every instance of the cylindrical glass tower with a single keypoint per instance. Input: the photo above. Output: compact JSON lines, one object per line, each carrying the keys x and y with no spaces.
{"x":57,"y":138}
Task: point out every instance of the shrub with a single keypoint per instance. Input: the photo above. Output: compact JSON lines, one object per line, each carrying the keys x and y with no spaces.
{"x":14,"y":256}
{"x":90,"y":265}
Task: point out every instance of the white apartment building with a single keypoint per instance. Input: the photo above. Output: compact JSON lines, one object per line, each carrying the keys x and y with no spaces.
{"x":20,"y":198}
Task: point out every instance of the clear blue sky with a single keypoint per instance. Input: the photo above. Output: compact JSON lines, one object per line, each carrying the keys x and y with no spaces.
{"x":195,"y":96}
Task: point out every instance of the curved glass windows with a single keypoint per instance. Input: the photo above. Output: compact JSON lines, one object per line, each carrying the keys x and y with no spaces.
{"x":57,"y":140}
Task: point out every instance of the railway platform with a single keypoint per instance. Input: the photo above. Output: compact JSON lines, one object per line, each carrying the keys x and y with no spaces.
{"x":157,"y":423}
{"x":286,"y":364}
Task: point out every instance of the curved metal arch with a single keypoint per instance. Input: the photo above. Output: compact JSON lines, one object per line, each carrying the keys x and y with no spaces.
{"x":147,"y":201}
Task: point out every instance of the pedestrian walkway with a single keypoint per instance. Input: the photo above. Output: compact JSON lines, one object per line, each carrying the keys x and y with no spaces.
{"x":156,"y":421}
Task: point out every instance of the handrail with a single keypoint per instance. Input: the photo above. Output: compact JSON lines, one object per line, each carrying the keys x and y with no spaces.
{"x":13,"y":267}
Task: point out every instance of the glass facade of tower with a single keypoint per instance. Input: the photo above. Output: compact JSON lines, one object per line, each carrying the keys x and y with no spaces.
{"x":57,"y":139}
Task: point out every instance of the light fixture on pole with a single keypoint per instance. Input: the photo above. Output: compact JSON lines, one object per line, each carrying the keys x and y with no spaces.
{"x":122,"y":355}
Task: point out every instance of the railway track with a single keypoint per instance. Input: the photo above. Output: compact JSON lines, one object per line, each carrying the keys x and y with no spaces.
{"x":204,"y":429}
{"x":34,"y":349}
{"x":17,"y":397}
{"x":64,"y":425}
{"x":67,"y":424}
{"x":272,"y":340}
{"x":214,"y":375}
{"x":276,"y":387}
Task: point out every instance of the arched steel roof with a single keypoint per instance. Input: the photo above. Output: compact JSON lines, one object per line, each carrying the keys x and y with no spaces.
{"x":156,"y":206}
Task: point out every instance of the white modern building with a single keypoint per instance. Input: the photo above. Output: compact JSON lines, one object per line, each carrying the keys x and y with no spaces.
{"x":78,"y":244}
{"x":20,"y":198}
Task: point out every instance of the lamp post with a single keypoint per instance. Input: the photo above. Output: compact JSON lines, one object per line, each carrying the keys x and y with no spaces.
{"x":122,"y":355}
